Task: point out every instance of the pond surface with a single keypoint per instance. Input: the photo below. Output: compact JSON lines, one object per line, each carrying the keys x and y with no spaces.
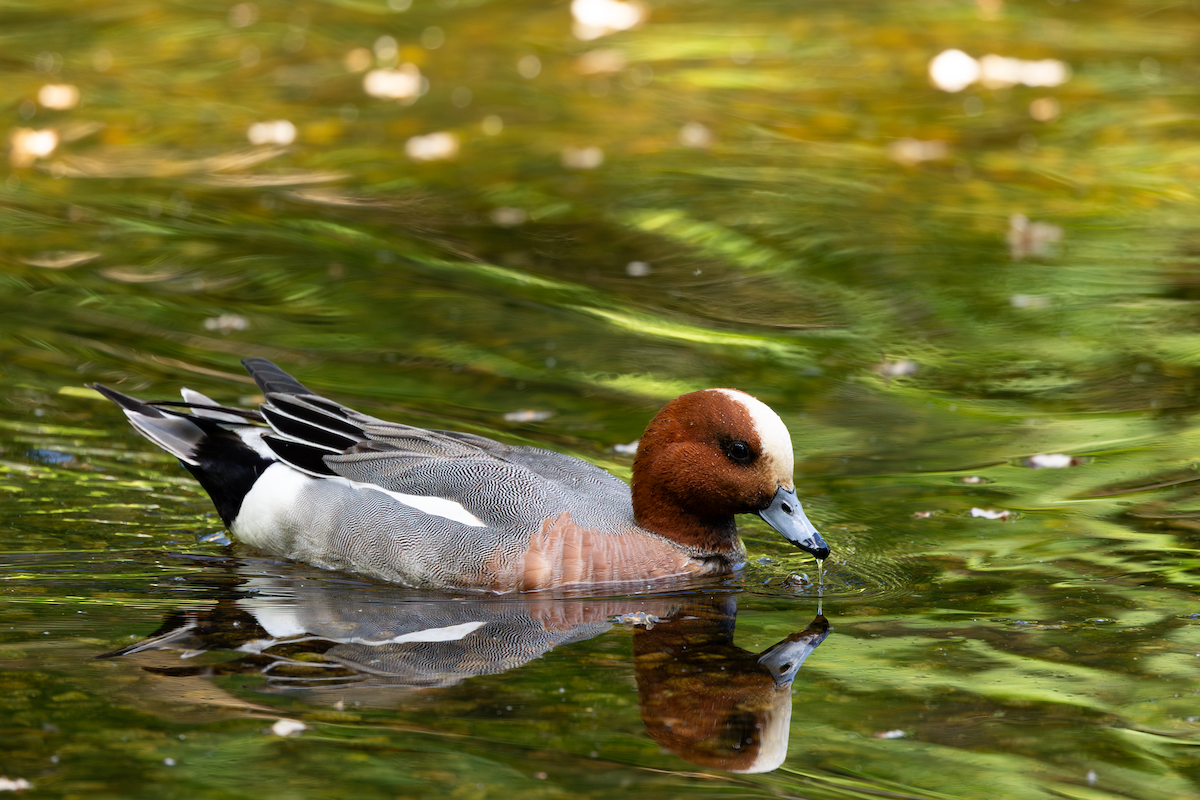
{"x":976,"y":310}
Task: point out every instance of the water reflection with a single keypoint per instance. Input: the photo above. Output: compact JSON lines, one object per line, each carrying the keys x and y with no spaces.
{"x":711,"y":702}
{"x":58,"y":96}
{"x":29,"y":144}
{"x":954,"y":70}
{"x":596,"y":18}
{"x":701,"y":696}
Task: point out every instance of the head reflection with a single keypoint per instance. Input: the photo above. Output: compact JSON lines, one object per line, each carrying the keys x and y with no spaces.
{"x":711,"y":702}
{"x":701,"y":697}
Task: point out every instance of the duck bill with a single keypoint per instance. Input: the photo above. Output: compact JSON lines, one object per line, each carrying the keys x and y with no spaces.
{"x":786,"y":516}
{"x":785,"y":658}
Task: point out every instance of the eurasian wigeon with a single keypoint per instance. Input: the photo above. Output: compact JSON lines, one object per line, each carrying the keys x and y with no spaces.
{"x":309,"y":479}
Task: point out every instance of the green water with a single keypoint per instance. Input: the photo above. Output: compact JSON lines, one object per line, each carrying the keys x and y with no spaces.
{"x":764,"y":195}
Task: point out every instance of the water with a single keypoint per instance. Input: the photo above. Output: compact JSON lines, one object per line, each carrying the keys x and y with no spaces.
{"x":933,"y":288}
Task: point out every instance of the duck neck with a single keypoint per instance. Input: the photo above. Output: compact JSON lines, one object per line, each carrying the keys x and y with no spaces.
{"x":688,"y":527}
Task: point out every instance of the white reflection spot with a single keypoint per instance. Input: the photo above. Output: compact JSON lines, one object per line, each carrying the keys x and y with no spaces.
{"x":603,"y":61}
{"x":1044,"y":109}
{"x":386,"y":48}
{"x":1027,"y":238}
{"x":278,"y":131}
{"x":28,"y":145}
{"x":596,"y":18}
{"x":288,"y":727}
{"x":900,"y":368}
{"x":102,"y":60}
{"x":741,"y":53}
{"x":530,"y":66}
{"x":582,"y":157}
{"x":999,"y":72}
{"x":910,"y":152}
{"x":492,"y":125}
{"x":637,"y":269}
{"x":996,"y":72}
{"x":989,"y":9}
{"x":394,"y":84}
{"x":508,"y":217}
{"x":528,"y":414}
{"x":1047,"y":72}
{"x":433,"y":37}
{"x":953,"y":70}
{"x":60,"y":259}
{"x":59,"y":96}
{"x":1029,"y":301}
{"x":358,"y":60}
{"x":226,"y":323}
{"x":432,"y":147}
{"x":695,"y":134}
{"x":46,"y":61}
{"x":1050,"y":461}
{"x":243,"y":15}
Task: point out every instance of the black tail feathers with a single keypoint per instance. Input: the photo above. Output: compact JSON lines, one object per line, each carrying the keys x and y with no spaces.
{"x":271,"y":378}
{"x":210,"y":445}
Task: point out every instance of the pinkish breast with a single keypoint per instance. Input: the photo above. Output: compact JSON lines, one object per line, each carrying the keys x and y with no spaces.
{"x":562,"y":554}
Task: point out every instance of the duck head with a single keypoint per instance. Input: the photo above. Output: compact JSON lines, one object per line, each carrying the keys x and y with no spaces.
{"x":710,"y":455}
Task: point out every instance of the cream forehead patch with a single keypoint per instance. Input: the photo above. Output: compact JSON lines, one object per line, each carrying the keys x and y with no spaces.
{"x":776,"y":441}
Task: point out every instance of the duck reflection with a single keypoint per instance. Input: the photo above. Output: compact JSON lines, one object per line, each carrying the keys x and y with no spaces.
{"x":711,"y":702}
{"x":701,"y":697}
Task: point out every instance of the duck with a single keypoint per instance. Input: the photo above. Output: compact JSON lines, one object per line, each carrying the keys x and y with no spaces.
{"x":306,"y":478}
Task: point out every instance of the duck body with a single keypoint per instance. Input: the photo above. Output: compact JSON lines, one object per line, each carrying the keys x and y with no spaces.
{"x":306,"y":478}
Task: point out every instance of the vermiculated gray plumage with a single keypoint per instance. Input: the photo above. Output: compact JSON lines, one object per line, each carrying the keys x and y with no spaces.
{"x":344,"y":490}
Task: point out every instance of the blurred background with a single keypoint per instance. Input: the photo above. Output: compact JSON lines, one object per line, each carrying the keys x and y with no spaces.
{"x":953,"y":242}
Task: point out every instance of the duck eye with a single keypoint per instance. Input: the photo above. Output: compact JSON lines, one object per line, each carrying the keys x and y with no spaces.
{"x":739,"y":452}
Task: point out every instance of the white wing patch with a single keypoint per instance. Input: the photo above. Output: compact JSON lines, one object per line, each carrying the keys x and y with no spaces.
{"x":280,"y":490}
{"x":452,"y":633}
{"x":282,"y":621}
{"x":434,"y":506}
{"x":276,"y":617}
